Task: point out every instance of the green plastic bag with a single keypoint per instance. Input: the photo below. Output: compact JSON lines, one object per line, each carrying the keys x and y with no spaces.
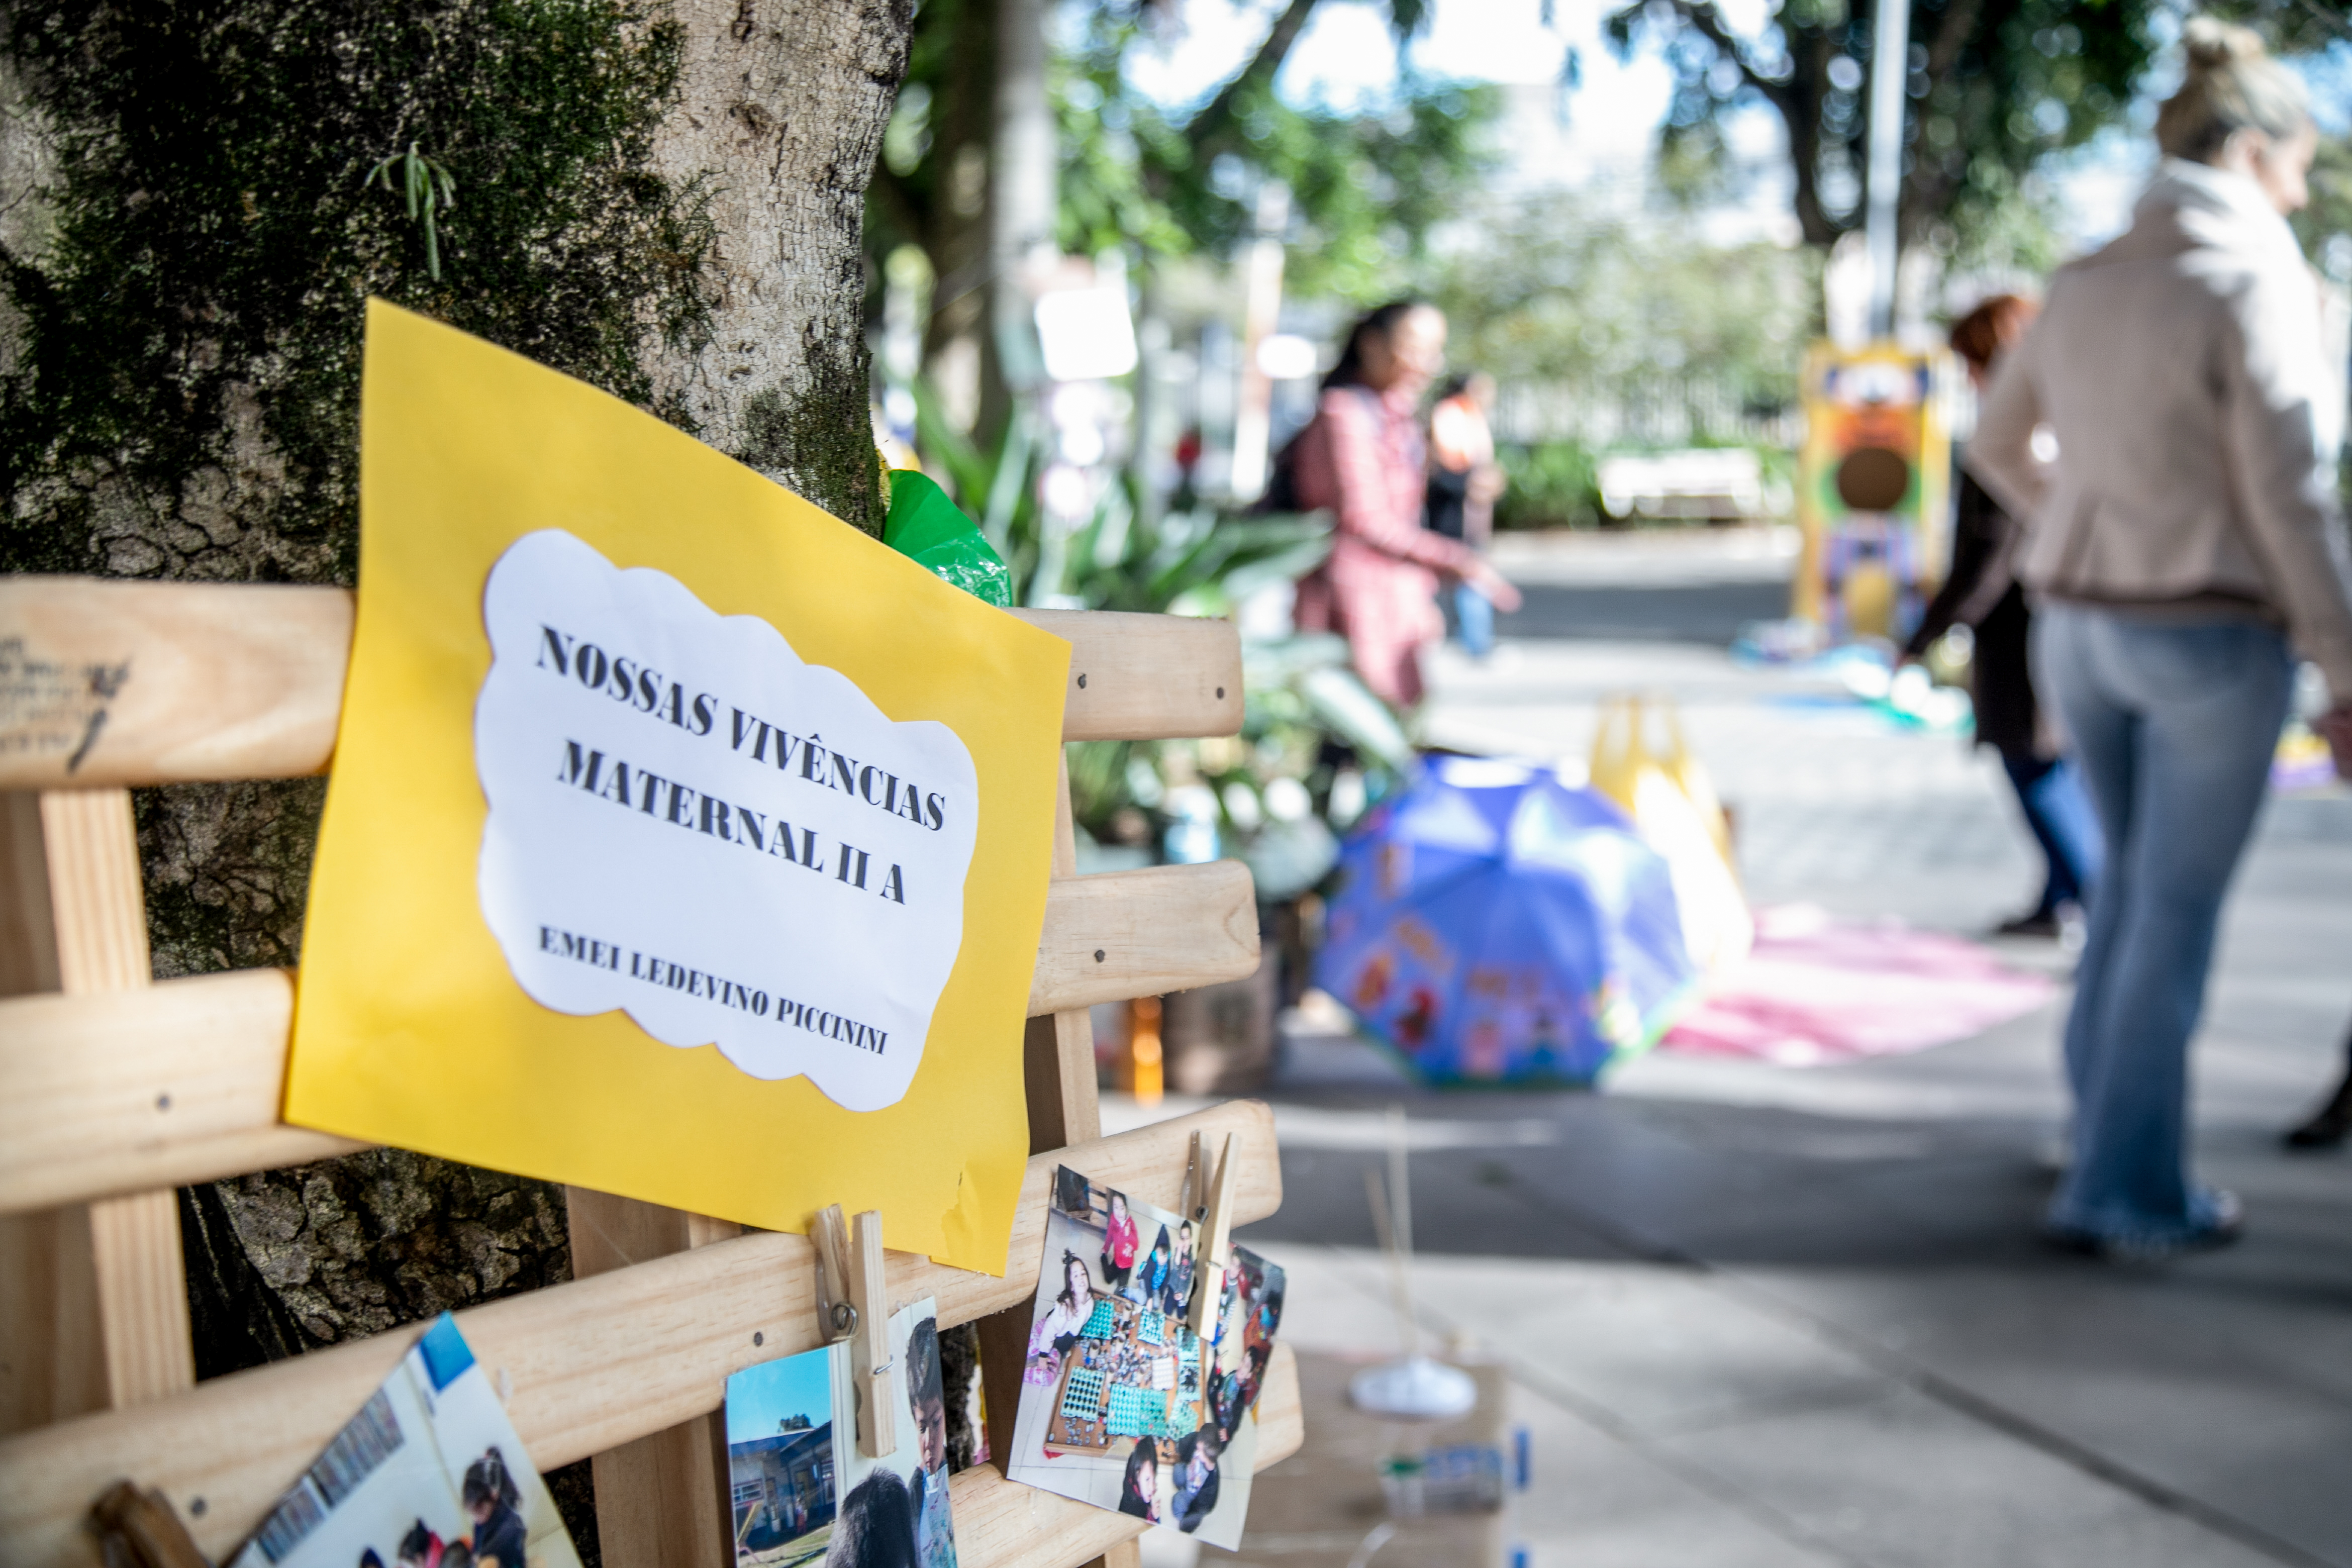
{"x":929,"y":530}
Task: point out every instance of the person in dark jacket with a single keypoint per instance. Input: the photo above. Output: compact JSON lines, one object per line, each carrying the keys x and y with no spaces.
{"x":877,"y":1526}
{"x":1982,"y":593}
{"x":1138,"y":1493}
{"x":491,"y":1495}
{"x":1196,"y":1481}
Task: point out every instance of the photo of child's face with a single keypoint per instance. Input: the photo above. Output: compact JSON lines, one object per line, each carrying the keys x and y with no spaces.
{"x":931,"y":1432}
{"x":1081,"y":1284}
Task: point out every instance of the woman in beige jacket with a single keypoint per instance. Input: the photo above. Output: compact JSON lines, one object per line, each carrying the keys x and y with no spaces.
{"x":2184,"y":532}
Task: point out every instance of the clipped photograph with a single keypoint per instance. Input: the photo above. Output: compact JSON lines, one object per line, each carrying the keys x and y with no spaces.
{"x":1248,"y":1317}
{"x":803,"y":1494}
{"x":1210,"y":1487}
{"x":429,"y":1473}
{"x":894,"y":1510}
{"x":780,"y":1459}
{"x":1114,"y":1385}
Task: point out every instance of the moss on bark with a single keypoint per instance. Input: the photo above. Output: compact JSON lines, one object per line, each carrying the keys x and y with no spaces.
{"x":187,"y":248}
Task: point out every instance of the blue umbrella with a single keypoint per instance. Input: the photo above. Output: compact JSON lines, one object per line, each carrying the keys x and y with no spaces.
{"x":1494,"y":925}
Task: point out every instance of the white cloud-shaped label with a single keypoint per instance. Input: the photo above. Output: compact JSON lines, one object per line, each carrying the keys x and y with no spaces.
{"x":691,"y":825}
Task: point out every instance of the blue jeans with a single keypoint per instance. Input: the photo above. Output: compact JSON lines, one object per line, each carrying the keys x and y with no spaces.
{"x":2174,"y":727}
{"x":1474,"y":621}
{"x":2058,"y":814}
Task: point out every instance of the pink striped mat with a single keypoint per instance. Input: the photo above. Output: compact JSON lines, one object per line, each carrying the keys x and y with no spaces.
{"x":1817,"y":990}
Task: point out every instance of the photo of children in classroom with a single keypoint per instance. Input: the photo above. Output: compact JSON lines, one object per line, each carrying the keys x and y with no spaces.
{"x":1121,"y":1404}
{"x":429,"y":1474}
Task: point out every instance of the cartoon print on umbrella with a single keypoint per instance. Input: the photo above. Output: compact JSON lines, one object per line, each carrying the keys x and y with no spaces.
{"x":1495,"y":924}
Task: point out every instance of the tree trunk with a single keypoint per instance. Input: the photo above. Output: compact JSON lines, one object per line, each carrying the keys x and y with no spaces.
{"x":1024,"y":181}
{"x":668,"y":204}
{"x":782,"y":107}
{"x":957,"y":357}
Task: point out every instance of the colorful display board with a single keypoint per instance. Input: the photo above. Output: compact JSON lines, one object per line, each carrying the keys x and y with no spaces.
{"x":1873,"y":488}
{"x":683,"y":842}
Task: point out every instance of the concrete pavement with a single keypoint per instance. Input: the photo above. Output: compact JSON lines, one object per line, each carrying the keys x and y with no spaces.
{"x":1761,"y":1315}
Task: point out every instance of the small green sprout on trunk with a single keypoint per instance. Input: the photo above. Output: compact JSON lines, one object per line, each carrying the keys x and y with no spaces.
{"x":419,"y":175}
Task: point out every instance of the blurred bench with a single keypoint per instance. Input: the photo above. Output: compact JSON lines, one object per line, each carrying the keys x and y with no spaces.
{"x":1713,"y":485}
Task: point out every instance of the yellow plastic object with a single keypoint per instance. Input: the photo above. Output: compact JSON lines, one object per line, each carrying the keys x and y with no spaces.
{"x":411,"y":1028}
{"x":1674,"y":806}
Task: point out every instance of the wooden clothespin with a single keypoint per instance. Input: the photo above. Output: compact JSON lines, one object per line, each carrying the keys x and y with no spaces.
{"x":872,"y":1371}
{"x":1193,"y":1197}
{"x":1210,"y":1244}
{"x":837,"y":1314}
{"x":854,"y":1304}
{"x":142,"y":1530}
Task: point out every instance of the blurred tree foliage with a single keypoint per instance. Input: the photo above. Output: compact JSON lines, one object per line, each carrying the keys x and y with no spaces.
{"x":2292,"y":27}
{"x":1995,"y":87}
{"x":2326,"y":225}
{"x":1554,"y":484}
{"x":1366,"y":187}
{"x":1543,"y":294}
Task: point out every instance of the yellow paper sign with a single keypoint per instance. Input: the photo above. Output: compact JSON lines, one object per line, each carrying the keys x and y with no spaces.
{"x":683,"y":842}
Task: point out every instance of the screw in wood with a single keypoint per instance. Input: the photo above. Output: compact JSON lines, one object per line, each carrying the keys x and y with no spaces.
{"x":1082,"y":683}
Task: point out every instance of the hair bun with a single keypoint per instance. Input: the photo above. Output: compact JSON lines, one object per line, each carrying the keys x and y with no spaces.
{"x":2212,"y":44}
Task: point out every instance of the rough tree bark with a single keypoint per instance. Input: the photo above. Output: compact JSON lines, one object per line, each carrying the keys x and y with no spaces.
{"x":782,"y":108}
{"x":774,"y":115}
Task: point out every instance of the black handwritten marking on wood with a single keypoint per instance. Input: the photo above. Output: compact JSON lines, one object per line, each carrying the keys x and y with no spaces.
{"x":49,"y":705}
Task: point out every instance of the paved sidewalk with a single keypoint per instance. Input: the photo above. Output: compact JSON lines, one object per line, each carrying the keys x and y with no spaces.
{"x":1760,"y":1315}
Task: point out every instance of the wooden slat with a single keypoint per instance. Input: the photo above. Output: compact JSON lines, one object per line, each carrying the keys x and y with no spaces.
{"x":1147,"y":678}
{"x":1145,"y":934}
{"x":143,"y":683}
{"x":661,"y":1501}
{"x":52,"y":1357}
{"x":28,"y":935}
{"x":1058,"y":1052}
{"x":593,"y":1364}
{"x":104,"y":1279}
{"x":143,"y":1297}
{"x":1059,"y":1074}
{"x":999,"y":1523}
{"x":165,"y":682}
{"x":178,"y":1083}
{"x":99,"y":909}
{"x":182,"y":1082}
